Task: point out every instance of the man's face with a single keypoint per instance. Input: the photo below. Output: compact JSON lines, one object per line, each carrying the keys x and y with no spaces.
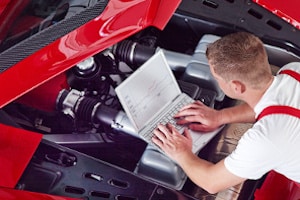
{"x":225,"y":86}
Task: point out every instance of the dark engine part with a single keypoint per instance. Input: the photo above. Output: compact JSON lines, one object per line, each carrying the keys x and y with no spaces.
{"x":132,"y":53}
{"x":85,"y":75}
{"x":89,"y":109}
{"x":85,"y":108}
{"x":135,"y":54}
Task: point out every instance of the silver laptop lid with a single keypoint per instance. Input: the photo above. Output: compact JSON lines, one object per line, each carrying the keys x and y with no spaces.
{"x":148,"y":90}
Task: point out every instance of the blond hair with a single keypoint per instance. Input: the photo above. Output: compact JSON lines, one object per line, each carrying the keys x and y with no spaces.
{"x":240,"y":56}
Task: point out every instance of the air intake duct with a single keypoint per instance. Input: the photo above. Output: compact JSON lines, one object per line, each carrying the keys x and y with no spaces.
{"x":85,"y":108}
{"x":132,"y":53}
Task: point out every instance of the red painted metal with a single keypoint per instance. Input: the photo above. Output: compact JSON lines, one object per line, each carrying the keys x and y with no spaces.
{"x":10,"y":11}
{"x":16,"y":149}
{"x":11,"y":194}
{"x":3,"y":5}
{"x":45,"y":96}
{"x":288,"y":10}
{"x":277,"y":186}
{"x":89,"y":39}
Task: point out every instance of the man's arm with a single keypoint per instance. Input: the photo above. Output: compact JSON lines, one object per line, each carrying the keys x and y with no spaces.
{"x":211,"y":177}
{"x":241,"y":113}
{"x":200,"y":117}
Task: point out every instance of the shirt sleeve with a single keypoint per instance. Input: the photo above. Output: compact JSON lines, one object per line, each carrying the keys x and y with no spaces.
{"x":254,"y":155}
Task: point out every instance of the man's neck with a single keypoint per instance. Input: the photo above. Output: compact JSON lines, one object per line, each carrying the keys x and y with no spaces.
{"x":255,"y":94}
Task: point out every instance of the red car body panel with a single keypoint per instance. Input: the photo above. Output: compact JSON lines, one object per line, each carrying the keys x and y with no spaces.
{"x":9,"y":10}
{"x":89,"y":39}
{"x":11,"y":194}
{"x":16,"y":147}
{"x":277,"y":186}
{"x":287,"y":10}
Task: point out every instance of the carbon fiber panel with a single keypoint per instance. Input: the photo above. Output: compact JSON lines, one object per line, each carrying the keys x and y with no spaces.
{"x":32,"y":44}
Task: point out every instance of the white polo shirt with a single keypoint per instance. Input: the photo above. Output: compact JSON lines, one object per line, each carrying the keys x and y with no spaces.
{"x":273,"y":143}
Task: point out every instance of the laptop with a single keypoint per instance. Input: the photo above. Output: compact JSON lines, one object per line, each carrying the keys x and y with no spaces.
{"x":151,"y":95}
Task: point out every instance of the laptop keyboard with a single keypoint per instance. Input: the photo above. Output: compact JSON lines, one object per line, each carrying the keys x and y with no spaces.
{"x":168,"y":118}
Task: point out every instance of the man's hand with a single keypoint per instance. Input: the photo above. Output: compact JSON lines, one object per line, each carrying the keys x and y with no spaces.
{"x":209,"y":176}
{"x":199,"y":117}
{"x":174,"y":144}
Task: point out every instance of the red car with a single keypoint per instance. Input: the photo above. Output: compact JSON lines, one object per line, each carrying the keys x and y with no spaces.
{"x":64,"y":133}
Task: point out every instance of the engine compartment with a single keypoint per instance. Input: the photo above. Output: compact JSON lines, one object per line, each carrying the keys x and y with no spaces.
{"x":80,"y":110}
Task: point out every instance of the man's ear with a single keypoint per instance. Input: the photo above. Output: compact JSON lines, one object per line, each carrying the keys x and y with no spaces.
{"x":238,"y":87}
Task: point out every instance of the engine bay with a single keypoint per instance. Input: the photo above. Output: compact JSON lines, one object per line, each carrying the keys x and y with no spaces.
{"x":79,"y":109}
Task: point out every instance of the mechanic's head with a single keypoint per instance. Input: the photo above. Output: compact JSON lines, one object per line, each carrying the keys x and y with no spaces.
{"x":240,"y":56}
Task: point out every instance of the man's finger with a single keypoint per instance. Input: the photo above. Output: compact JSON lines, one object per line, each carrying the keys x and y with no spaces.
{"x":159,"y":135}
{"x":165,"y":130}
{"x":187,"y":134}
{"x":157,"y":141}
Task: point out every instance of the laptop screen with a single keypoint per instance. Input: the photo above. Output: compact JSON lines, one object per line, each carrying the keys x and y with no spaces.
{"x":148,"y":90}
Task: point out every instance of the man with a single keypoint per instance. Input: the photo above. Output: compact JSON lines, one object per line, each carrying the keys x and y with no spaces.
{"x":240,"y":65}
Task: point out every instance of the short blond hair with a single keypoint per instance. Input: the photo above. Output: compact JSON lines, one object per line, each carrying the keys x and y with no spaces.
{"x":240,"y":56}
